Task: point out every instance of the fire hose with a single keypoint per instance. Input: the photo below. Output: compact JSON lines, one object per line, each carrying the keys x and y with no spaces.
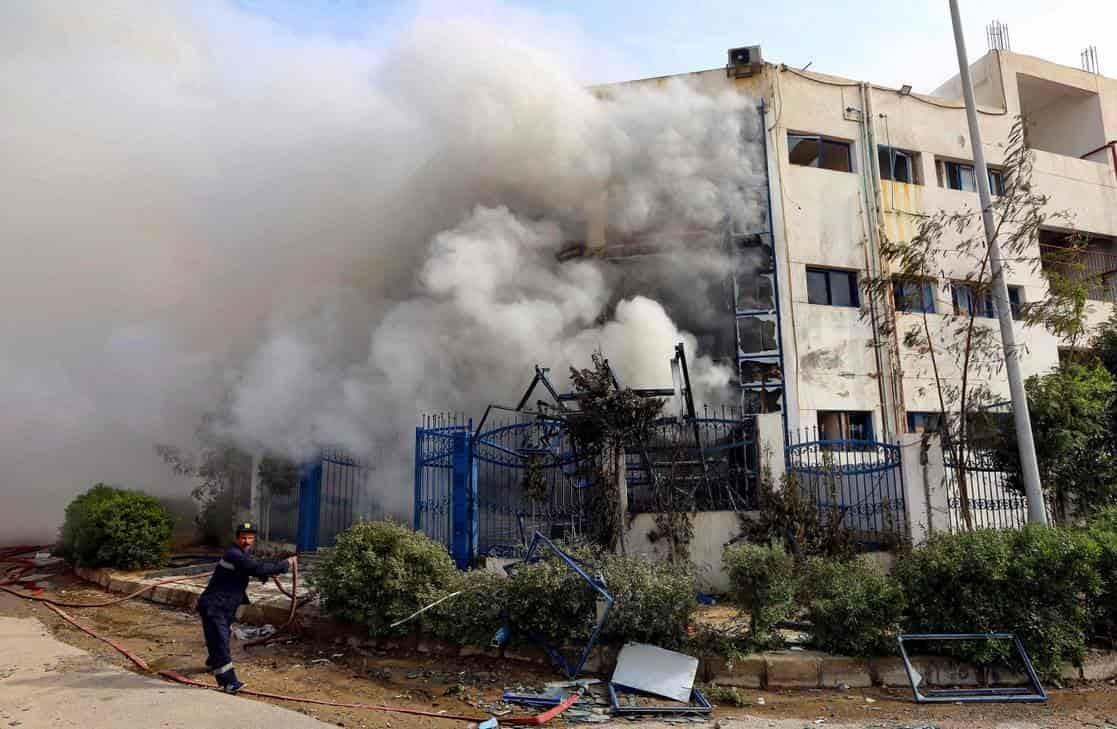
{"x":13,"y":555}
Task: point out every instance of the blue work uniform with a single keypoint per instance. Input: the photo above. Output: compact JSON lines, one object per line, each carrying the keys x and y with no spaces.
{"x":227,"y":591}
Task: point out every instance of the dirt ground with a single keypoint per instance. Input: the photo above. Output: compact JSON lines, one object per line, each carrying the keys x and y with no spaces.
{"x":171,"y":638}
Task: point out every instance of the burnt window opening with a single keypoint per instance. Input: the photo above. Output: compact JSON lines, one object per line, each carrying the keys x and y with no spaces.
{"x":898,"y":165}
{"x":839,"y":425}
{"x":914,"y":295}
{"x":812,"y":150}
{"x":756,"y":334}
{"x":832,"y":287}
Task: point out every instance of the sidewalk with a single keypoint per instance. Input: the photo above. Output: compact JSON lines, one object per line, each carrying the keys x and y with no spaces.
{"x":47,"y":683}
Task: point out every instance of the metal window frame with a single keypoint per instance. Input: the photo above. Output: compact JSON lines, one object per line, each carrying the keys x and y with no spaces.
{"x":822,"y":140}
{"x":1033,"y":694}
{"x":699,"y":704}
{"x":895,"y":153}
{"x":851,"y":279}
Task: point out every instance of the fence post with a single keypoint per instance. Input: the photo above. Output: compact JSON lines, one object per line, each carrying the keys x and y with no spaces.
{"x":924,"y":485}
{"x":310,"y":504}
{"x":463,"y":538}
{"x":770,"y":446}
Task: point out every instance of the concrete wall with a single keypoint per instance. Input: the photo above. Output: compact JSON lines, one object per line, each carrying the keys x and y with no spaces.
{"x":712,"y":531}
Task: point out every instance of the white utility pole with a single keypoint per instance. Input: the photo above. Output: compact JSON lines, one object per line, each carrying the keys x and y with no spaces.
{"x":1037,"y":514}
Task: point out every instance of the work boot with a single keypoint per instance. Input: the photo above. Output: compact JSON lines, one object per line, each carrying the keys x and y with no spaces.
{"x":231,"y":685}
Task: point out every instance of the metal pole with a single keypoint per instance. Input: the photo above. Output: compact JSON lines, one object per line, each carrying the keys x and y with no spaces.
{"x":1030,"y":469}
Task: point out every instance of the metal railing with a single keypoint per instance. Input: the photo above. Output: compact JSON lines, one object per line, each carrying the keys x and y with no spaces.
{"x":857,"y":483}
{"x":1095,"y":268}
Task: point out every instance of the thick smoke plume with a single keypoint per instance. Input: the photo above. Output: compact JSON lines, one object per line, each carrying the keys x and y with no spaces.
{"x":315,"y":241}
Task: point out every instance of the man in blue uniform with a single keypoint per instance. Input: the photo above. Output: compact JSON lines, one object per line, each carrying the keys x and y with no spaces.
{"x":226,"y":592}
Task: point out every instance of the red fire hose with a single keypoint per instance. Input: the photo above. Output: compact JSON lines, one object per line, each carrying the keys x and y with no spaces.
{"x":12,"y":555}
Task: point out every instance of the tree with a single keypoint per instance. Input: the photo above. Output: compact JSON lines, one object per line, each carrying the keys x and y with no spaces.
{"x":962,"y":345}
{"x":1071,"y":413}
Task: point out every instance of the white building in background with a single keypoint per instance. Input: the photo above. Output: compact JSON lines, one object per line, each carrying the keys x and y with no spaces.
{"x":850,"y":162}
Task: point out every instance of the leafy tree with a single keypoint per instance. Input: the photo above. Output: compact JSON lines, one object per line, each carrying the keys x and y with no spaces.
{"x":960,"y":345}
{"x":1071,"y":413}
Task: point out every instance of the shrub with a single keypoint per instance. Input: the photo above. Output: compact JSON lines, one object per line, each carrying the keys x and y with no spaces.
{"x":762,"y":581}
{"x":1030,"y":582}
{"x":548,"y":601}
{"x":652,"y":602}
{"x":473,"y":617}
{"x":791,"y":517}
{"x":1103,"y":530}
{"x":854,"y":609}
{"x":111,"y":527}
{"x":380,"y":572}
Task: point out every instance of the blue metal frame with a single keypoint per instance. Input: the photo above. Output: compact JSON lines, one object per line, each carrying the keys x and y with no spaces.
{"x":1036,"y":694}
{"x":556,"y":656}
{"x":310,"y":502}
{"x":699,"y":704}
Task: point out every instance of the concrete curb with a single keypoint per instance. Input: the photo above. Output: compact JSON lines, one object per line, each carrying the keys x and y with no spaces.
{"x":791,"y":669}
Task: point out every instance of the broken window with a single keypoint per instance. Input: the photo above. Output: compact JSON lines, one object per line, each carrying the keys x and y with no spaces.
{"x":897,"y":165}
{"x":832,"y":287}
{"x":812,"y":150}
{"x":756,"y":334}
{"x":961,"y":176}
{"x":835,"y":425}
{"x":914,"y":295}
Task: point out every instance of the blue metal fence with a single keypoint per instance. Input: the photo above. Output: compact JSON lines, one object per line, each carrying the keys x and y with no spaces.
{"x":857,"y":483}
{"x":443,"y":469}
{"x":332,"y":491}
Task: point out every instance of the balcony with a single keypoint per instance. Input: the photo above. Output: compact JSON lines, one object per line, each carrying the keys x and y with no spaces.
{"x":1095,"y":266}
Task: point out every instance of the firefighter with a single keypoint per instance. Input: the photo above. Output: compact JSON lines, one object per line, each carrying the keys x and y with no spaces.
{"x":225,"y":593}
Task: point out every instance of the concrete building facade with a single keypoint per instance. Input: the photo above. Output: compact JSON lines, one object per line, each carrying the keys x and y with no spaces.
{"x":852,"y":164}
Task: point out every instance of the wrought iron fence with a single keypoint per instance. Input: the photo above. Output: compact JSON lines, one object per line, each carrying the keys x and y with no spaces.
{"x":436,"y":442}
{"x":995,"y":500}
{"x":706,"y":464}
{"x":855,"y":483}
{"x":528,"y":479}
{"x":344,"y":494}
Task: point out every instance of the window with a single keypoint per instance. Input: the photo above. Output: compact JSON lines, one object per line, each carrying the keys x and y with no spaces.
{"x":807,"y":150}
{"x":897,"y":165}
{"x":968,"y":301}
{"x":924,"y":422}
{"x":1015,"y":300}
{"x":961,"y":176}
{"x":913,"y":295}
{"x":845,"y":425}
{"x":832,"y":287}
{"x":964,"y":297}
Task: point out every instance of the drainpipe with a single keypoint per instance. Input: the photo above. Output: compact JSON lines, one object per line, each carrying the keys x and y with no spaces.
{"x":887,"y":363}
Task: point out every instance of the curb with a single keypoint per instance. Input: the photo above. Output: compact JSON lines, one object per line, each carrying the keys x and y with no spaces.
{"x":790,"y":669}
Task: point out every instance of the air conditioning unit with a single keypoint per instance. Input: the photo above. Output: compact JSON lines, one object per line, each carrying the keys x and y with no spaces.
{"x":744,"y":62}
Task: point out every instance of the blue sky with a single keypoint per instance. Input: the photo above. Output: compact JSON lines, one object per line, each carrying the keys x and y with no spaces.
{"x":885,"y":42}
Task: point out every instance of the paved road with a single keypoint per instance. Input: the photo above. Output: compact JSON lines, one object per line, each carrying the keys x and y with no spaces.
{"x":47,"y":683}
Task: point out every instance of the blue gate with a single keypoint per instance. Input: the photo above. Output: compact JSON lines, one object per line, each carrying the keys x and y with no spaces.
{"x":332,"y":493}
{"x":445,"y":509}
{"x":858,"y":483}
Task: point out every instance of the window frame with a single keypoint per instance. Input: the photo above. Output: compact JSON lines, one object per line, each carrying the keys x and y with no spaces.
{"x":990,"y":309}
{"x":821,"y":141}
{"x":912,"y":161}
{"x":996,"y":176}
{"x":851,"y":277}
{"x":934,"y":418}
{"x":927,"y":287}
{"x":1017,"y":293}
{"x":846,"y":426}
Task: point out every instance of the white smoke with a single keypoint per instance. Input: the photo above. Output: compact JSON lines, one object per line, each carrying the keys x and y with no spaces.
{"x":314,"y":239}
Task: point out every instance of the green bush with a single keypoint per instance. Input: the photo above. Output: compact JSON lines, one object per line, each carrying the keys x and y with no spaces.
{"x":1036,"y":582}
{"x":762,"y":581}
{"x":473,"y":617}
{"x":853,"y":608}
{"x":111,"y":527}
{"x":652,"y":602}
{"x":548,"y":601}
{"x":1103,"y":530}
{"x":380,"y":572}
